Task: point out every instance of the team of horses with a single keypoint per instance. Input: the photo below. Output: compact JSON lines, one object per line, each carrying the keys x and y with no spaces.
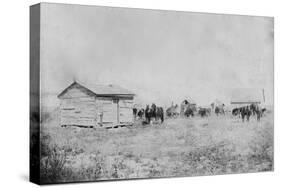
{"x":152,"y":113}
{"x":248,"y":111}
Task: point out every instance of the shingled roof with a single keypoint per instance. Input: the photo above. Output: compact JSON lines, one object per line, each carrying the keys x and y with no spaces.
{"x":99,"y":90}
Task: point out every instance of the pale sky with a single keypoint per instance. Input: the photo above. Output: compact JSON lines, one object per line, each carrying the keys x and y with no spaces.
{"x":161,"y":56}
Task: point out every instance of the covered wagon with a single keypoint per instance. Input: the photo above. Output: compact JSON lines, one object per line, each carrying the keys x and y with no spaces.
{"x":246,"y":96}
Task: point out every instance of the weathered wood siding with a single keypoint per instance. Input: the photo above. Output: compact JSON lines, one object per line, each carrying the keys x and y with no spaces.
{"x":78,"y":111}
{"x":108,"y":108}
{"x":77,"y":107}
{"x":81,"y":107}
{"x":115,"y":111}
{"x":125,"y":111}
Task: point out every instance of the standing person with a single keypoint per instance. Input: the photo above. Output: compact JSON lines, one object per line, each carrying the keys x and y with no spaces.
{"x":135,"y":110}
{"x":217,"y":110}
{"x":243,"y":113}
{"x":258,"y":113}
{"x":212,"y":106}
{"x":100,"y":114}
{"x":223,"y":111}
{"x":248,"y":113}
{"x":147,"y":114}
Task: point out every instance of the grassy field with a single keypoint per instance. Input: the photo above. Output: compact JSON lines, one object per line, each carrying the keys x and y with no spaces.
{"x":178,"y":147}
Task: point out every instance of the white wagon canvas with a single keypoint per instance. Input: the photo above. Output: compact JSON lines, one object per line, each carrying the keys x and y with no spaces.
{"x":123,"y":93}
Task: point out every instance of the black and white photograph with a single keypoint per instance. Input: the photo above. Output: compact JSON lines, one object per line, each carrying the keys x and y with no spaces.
{"x":129,"y":93}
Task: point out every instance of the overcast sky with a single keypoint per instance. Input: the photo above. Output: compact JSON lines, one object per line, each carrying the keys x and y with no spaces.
{"x":162,"y":56}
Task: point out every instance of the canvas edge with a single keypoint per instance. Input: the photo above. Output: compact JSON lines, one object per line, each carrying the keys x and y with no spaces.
{"x":34,"y":78}
{"x":35,"y":22}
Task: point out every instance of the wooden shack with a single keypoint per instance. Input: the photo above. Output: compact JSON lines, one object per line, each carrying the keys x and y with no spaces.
{"x":95,"y":106}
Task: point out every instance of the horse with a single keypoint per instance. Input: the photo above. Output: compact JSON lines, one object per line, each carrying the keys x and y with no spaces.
{"x":135,"y":110}
{"x":154,"y":112}
{"x":188,"y":111}
{"x":254,"y":108}
{"x":246,"y":112}
{"x":160,"y":114}
{"x":219,"y":110}
{"x":140,"y":113}
{"x":147,"y":114}
{"x":236,"y":111}
{"x":204,"y":112}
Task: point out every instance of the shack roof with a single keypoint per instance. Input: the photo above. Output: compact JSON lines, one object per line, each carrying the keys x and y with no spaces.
{"x":99,"y":90}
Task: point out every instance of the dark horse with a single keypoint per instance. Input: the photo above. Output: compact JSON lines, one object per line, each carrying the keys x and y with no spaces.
{"x":246,"y":112}
{"x":257,"y":110}
{"x":138,"y":113}
{"x":204,"y":112}
{"x":236,"y":111}
{"x":154,"y":112}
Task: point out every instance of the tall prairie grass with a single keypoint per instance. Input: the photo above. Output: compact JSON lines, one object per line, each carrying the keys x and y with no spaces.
{"x":179,"y":147}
